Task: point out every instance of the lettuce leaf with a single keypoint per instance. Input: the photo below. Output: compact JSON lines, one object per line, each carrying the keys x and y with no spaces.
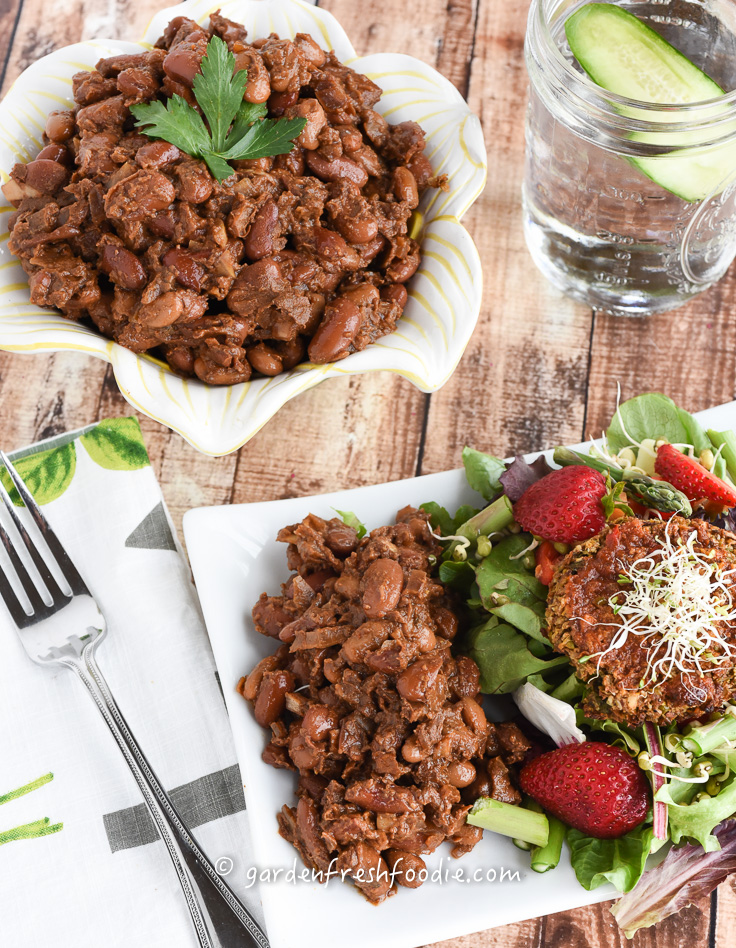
{"x":500,"y":574}
{"x":696,"y":820}
{"x":685,"y":875}
{"x":521,"y":475}
{"x":654,"y":415}
{"x":618,"y":861}
{"x":483,"y":472}
{"x":506,"y":658}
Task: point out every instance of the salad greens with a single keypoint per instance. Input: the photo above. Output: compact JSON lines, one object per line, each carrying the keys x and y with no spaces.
{"x":619,"y":861}
{"x":491,"y":562}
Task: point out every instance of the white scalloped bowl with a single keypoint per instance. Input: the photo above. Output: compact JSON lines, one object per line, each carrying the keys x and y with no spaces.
{"x":444,"y":294}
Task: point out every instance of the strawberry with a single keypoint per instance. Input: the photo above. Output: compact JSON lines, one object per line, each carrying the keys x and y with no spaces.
{"x":688,"y":475}
{"x":564,"y":506}
{"x":593,"y":787}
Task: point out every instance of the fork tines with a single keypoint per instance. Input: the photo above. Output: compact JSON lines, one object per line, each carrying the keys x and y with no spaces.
{"x":39,"y":607}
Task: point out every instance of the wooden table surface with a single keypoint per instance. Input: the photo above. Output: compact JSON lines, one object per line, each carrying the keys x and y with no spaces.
{"x":540,"y":369}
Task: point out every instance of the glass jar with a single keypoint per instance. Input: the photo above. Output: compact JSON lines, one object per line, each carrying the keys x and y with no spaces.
{"x":597,"y":222}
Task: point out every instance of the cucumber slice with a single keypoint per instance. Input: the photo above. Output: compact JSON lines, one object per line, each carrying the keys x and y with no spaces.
{"x":623,"y":55}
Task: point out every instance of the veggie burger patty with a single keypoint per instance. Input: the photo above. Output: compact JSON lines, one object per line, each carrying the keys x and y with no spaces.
{"x":646,"y":612}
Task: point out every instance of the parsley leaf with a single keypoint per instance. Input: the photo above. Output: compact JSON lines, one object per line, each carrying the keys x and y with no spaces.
{"x":176,"y":122}
{"x":248,"y":113}
{"x":265,"y":138}
{"x":218,"y":90}
{"x":235,"y":130}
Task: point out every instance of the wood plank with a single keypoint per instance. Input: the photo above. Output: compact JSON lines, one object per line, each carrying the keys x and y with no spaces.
{"x":43,"y":27}
{"x":521,"y":383}
{"x":9,"y":15}
{"x":724,"y":935}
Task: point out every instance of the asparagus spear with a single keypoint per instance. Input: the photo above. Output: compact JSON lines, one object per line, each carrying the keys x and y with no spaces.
{"x":658,"y":495}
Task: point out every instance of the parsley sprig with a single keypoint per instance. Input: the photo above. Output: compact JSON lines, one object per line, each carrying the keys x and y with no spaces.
{"x":234,"y":130}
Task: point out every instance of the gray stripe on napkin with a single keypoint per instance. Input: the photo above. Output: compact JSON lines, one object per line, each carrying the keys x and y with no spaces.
{"x":201,"y":801}
{"x":153,"y":532}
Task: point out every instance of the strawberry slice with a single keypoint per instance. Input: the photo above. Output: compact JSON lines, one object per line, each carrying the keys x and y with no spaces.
{"x":564,"y":506}
{"x":688,"y":475}
{"x":593,"y":787}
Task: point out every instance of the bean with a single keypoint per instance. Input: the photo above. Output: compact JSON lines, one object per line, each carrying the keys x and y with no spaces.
{"x":382,"y":584}
{"x":180,"y":359}
{"x":252,"y":683}
{"x":366,"y":638}
{"x":303,"y":755}
{"x":338,"y":169}
{"x":188,"y":272}
{"x":182,"y":62}
{"x":461,"y":773}
{"x":402,"y":270}
{"x":375,"y":127}
{"x":330,"y":245}
{"x":341,"y":538}
{"x":367,"y":159}
{"x":157,"y":154}
{"x":46,"y":176}
{"x":259,"y":242}
{"x":358,"y":230}
{"x":139,"y":196}
{"x":215,"y":374}
{"x":54,"y":152}
{"x":368,"y":252}
{"x":292,"y":352}
{"x":336,"y":332}
{"x":258,"y":87}
{"x":312,"y":111}
{"x":270,"y":616}
{"x":319,"y":721}
{"x":412,"y":752}
{"x":474,"y":716}
{"x":408,"y":869}
{"x":195,"y":182}
{"x":421,"y":169}
{"x":419,"y":678}
{"x":163,"y":311}
{"x":405,"y":187}
{"x":310,"y":50}
{"x":279,"y":102}
{"x":480,"y":787}
{"x":60,"y":126}
{"x":446,"y":622}
{"x":271,"y":699}
{"x":264,"y":360}
{"x":364,"y":294}
{"x":123,"y":267}
{"x":395,"y":293}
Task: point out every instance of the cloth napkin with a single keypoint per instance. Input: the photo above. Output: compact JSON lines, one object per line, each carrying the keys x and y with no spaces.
{"x":80,"y":860}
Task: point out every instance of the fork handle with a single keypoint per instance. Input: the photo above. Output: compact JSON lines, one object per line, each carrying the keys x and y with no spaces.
{"x":212,"y":930}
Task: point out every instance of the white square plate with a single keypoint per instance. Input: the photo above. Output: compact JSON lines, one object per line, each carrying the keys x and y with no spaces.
{"x":235,"y":557}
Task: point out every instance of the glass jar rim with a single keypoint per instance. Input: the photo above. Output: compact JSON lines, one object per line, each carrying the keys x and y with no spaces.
{"x":691,"y":116}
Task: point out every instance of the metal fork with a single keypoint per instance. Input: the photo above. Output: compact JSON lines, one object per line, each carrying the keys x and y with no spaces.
{"x":67,"y":631}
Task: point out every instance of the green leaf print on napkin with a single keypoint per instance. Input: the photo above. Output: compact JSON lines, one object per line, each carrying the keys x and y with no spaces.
{"x":117,"y":444}
{"x":47,"y":474}
{"x":42,"y":827}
